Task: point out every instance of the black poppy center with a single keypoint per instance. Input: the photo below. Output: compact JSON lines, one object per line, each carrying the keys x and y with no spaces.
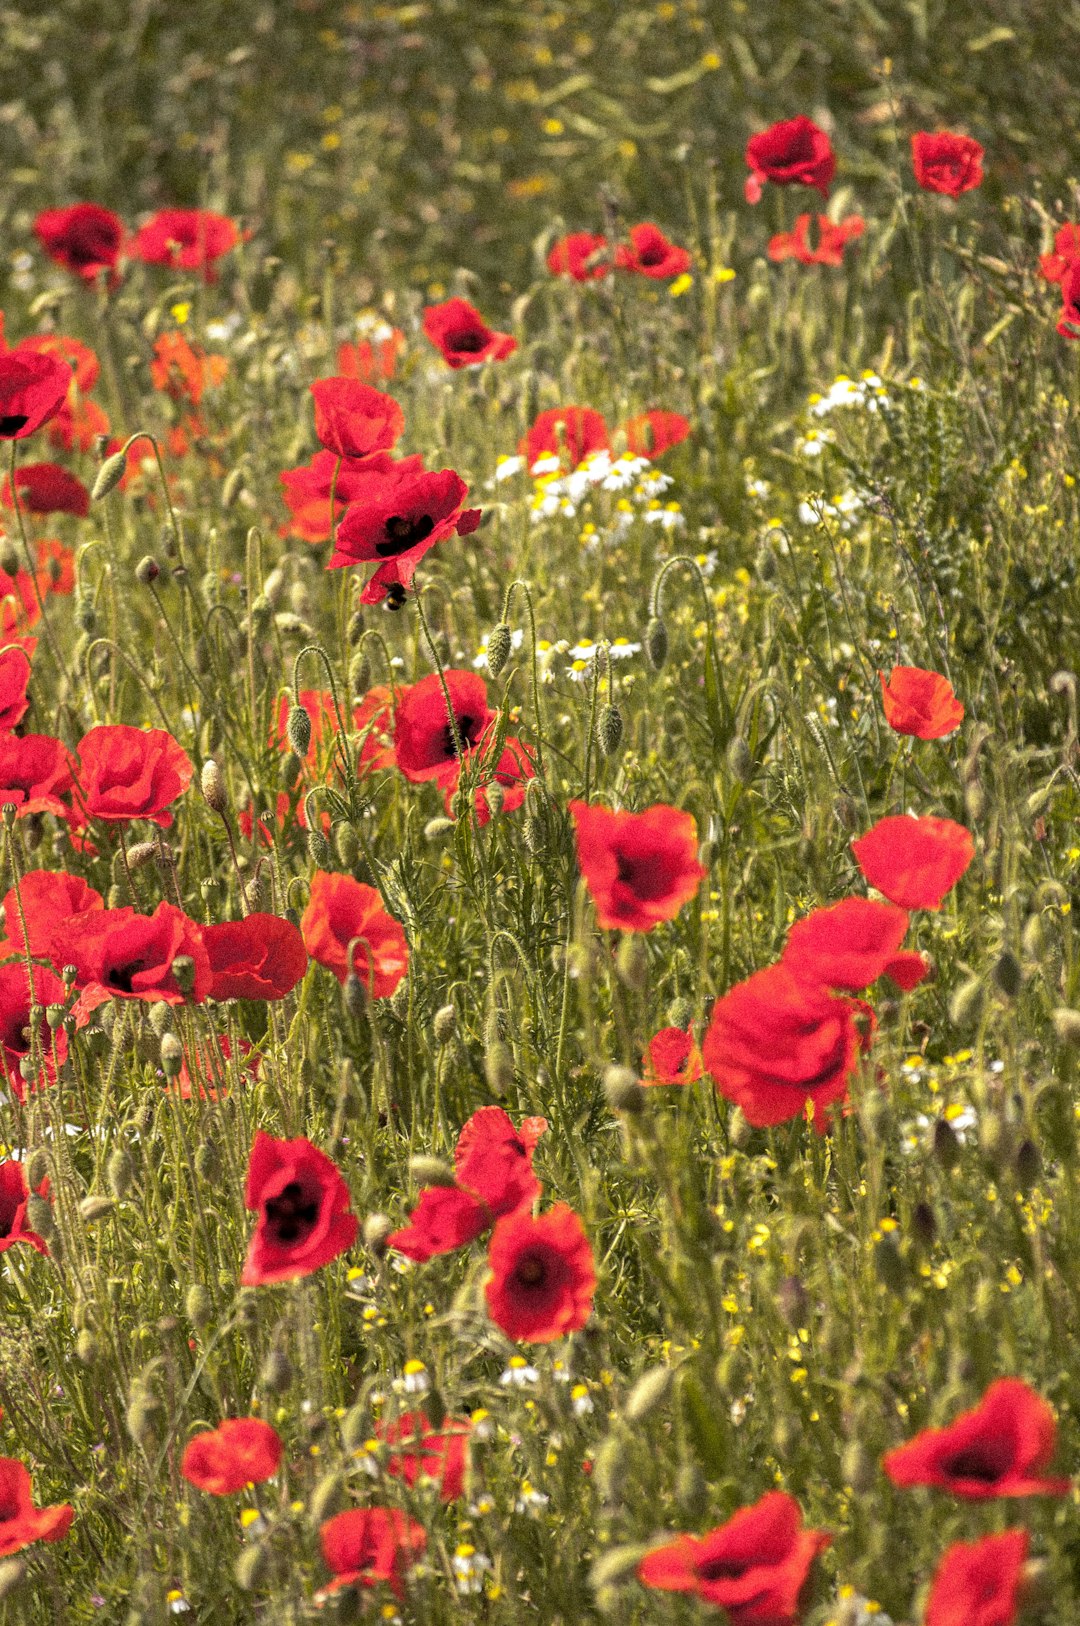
{"x":292,"y":1216}
{"x":469,"y":340}
{"x":403,"y":532}
{"x":531,"y":1271}
{"x":123,"y":976}
{"x":12,"y":422}
{"x":469,"y":731}
{"x":723,"y":1569}
{"x":13,"y":1033}
{"x":654,"y":255}
{"x":975,"y":1463}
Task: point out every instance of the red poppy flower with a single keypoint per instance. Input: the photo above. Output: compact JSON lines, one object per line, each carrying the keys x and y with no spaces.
{"x":85,"y":368}
{"x":847,"y":946}
{"x":46,"y":488}
{"x":424,"y":741}
{"x":341,"y":910}
{"x":18,"y":1013}
{"x":568,"y":433}
{"x":907,"y":970}
{"x":946,"y":162}
{"x":14,"y":682}
{"x":651,"y":434}
{"x":14,"y":1195}
{"x":920,"y":703}
{"x":21,"y":1523}
{"x":1069,"y":320}
{"x":1052,"y":267}
{"x":397,"y":521}
{"x":18,"y":604}
{"x":260,"y":957}
{"x":241,"y":1451}
{"x":774,"y":1044}
{"x":303,"y":1208}
{"x":186,"y":239}
{"x":651,"y":254}
{"x":672,"y":1058}
{"x":439,"y":1454}
{"x":35,"y":771}
{"x":131,"y":773}
{"x":369,"y":359}
{"x":371,"y":1544}
{"x":754,"y":1567}
{"x":582,"y":255}
{"x":46,"y":899}
{"x":512,"y":774}
{"x":832,"y":240}
{"x":119,"y":954}
{"x":373,"y":720}
{"x":84,"y":238}
{"x":914,"y":862}
{"x":794,"y":152}
{"x":445,"y":1218}
{"x":979,"y":1583}
{"x":999,"y":1448}
{"x":493,"y":1167}
{"x":33,"y":388}
{"x":462,"y":337}
{"x":354,"y":420}
{"x":543,"y":1275}
{"x":307,"y":489}
{"x":640,"y":868}
{"x":184,"y":371}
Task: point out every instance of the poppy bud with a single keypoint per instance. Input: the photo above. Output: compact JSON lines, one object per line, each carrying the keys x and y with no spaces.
{"x":172,"y":1052}
{"x":39,"y":1215}
{"x":9,"y":559}
{"x":891,"y":1271}
{"x":632,"y":961}
{"x":946,"y":1144}
{"x":445,"y":1024}
{"x":147,"y":570}
{"x":965,"y":1002}
{"x":691,"y":1491}
{"x":141,"y":853}
{"x":85,"y":614}
{"x":355,"y":629}
{"x":739,"y":1130}
{"x":318,"y":849}
{"x":609,"y":730}
{"x":615,"y":1565}
{"x":12,"y":1571}
{"x":109,"y":476}
{"x":327,"y":1498}
{"x":230,"y":487}
{"x":656,"y":643}
{"x":87,"y":1348}
{"x":161,"y":1017}
{"x":359,"y":673}
{"x":199,"y":1306}
{"x":213,"y":786}
{"x":252,"y":1566}
{"x":377,"y":1228}
{"x":37,"y":1167}
{"x":273,"y":587}
{"x":792,"y":1301}
{"x":1067,"y":1025}
{"x":354,"y":996}
{"x":499,"y":645}
{"x":1027,"y":1164}
{"x":499,"y":1067}
{"x":276,"y":1372}
{"x":740,"y":761}
{"x":290,"y":769}
{"x":974,"y":801}
{"x":650,"y":1391}
{"x":680,"y":1012}
{"x":1007,"y":975}
{"x":434,"y":828}
{"x":609,"y":1467}
{"x":142,"y":1411}
{"x":622,"y":1090}
{"x":355,"y":1427}
{"x":923,"y":1225}
{"x":995,"y":1139}
{"x":1033,"y":938}
{"x":346,"y":844}
{"x":299,"y":729}
{"x":431,"y":1171}
{"x":95,"y":1208}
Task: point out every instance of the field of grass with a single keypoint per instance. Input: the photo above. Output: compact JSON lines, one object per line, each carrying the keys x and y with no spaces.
{"x":831,"y":1207}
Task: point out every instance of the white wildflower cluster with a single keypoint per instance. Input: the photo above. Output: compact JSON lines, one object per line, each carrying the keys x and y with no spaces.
{"x":470,"y":1568}
{"x":853,"y":1610}
{"x":867,"y":391}
{"x":842,"y":511}
{"x":638,"y":483}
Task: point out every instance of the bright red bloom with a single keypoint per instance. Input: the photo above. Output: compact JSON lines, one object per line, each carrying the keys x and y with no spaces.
{"x":14,"y":682}
{"x":259,"y":957}
{"x":462,"y":337}
{"x":920,"y":703}
{"x":341,"y":909}
{"x":543,"y":1275}
{"x":754,"y":1567}
{"x":372,"y":718}
{"x":651,"y":254}
{"x":396,"y":521}
{"x":1069,"y":319}
{"x":84,"y":238}
{"x":979,"y":1583}
{"x":914,"y":862}
{"x":651,"y":434}
{"x":354,"y":420}
{"x":999,"y":1448}
{"x":774,"y":1045}
{"x":640,"y":868}
{"x":119,"y":954}
{"x":184,"y":371}
{"x":582,"y":255}
{"x":46,"y":488}
{"x":372,"y":358}
{"x":21,"y":1523}
{"x":241,"y":1451}
{"x":371,"y":1544}
{"x":832,"y":240}
{"x":303,"y":1206}
{"x":85,"y":368}
{"x":794,"y":152}
{"x":445,"y":1218}
{"x":307,"y":489}
{"x":131,"y":773}
{"x":439,"y":1454}
{"x":33,"y":388}
{"x":186,"y":239}
{"x":1052,"y":267}
{"x":14,"y":1195}
{"x":35,"y":771}
{"x":46,"y":899}
{"x":847,"y":946}
{"x":907,"y":970}
{"x":946,"y":162}
{"x":424,"y":741}
{"x":672,"y":1058}
{"x":568,"y":433}
{"x":15,"y":1018}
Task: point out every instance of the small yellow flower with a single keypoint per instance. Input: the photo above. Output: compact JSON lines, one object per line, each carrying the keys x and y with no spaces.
{"x":681,"y":285}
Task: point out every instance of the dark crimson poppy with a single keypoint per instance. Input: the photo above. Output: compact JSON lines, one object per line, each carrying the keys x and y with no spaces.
{"x":45,"y":899}
{"x":946,"y":162}
{"x":397,"y":521}
{"x":354,"y":420}
{"x":14,"y":682}
{"x":907,"y":970}
{"x":755,"y":1567}
{"x":46,"y":488}
{"x":307,"y":489}
{"x":33,"y":388}
{"x":582,"y":255}
{"x":372,"y":358}
{"x":341,"y":911}
{"x":651,"y":434}
{"x":16,"y":1008}
{"x":122,"y":955}
{"x":14,"y":1196}
{"x":303,"y":1208}
{"x":131,"y":773}
{"x":672,"y":1058}
{"x":186,"y":239}
{"x":1066,"y":251}
{"x":999,"y":1448}
{"x":85,"y":368}
{"x":651,"y":254}
{"x":425,"y":745}
{"x":543,"y":1275}
{"x":640,"y":868}
{"x":847,"y":946}
{"x":35,"y":771}
{"x":241,"y":1451}
{"x":512,"y":773}
{"x":979,"y":1583}
{"x":21,"y":1523}
{"x":832,"y":240}
{"x":1069,"y":320}
{"x":462,"y":337}
{"x":371,"y":1544}
{"x":794,"y":152}
{"x":440,"y":1454}
{"x":775,"y":1045}
{"x":184,"y":371}
{"x":919,"y":702}
{"x":914,"y":862}
{"x":568,"y":433}
{"x":494,"y":1174}
{"x":84,"y":238}
{"x":259,"y":957}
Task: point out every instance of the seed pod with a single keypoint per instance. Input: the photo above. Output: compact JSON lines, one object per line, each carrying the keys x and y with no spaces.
{"x":290,"y":770}
{"x":609,"y":730}
{"x":499,"y":645}
{"x":172,"y":1053}
{"x":213,"y":786}
{"x":276,"y":1373}
{"x":650,"y":1390}
{"x":318,"y":848}
{"x":377,"y":1227}
{"x":740,"y":761}
{"x":656,"y":643}
{"x":199,"y":1306}
{"x":623,"y":1091}
{"x":147,"y":570}
{"x":299,"y":729}
{"x":445,"y":1024}
{"x":96,"y":1207}
{"x":946,"y":1144}
{"x":109,"y":476}
{"x":1027,"y":1165}
{"x":87,"y":1348}
{"x":1007,"y":974}
{"x":431,"y":1171}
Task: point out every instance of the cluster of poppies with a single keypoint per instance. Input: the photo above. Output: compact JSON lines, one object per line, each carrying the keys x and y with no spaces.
{"x":90,"y":241}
